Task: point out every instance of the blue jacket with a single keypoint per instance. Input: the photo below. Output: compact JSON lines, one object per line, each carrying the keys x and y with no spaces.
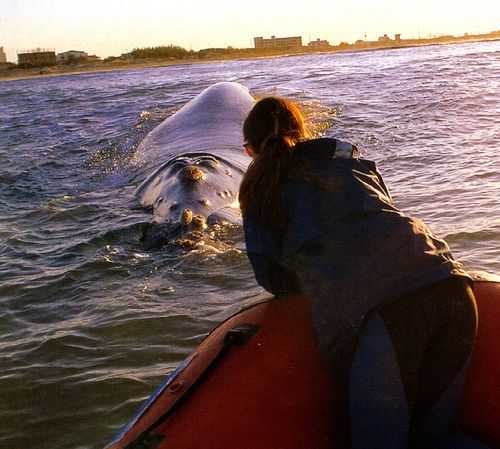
{"x":347,"y":248}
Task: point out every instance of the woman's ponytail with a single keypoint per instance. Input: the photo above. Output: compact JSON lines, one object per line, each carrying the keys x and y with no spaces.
{"x":272,"y":128}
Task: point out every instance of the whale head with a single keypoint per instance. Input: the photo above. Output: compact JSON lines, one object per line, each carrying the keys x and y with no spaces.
{"x":187,"y":195}
{"x":202,"y":163}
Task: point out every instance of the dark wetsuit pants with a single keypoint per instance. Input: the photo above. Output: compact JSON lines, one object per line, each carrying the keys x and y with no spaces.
{"x":409,"y":369}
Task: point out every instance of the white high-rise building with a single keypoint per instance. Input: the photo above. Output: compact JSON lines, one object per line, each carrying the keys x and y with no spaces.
{"x":3,"y":57}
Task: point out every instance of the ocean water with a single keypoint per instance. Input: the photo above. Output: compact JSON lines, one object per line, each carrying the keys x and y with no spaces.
{"x":91,"y":322}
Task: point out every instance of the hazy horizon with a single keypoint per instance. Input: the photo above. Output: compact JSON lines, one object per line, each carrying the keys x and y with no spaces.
{"x":118,"y":26}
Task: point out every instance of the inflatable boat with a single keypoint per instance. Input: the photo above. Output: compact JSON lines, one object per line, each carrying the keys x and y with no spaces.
{"x":257,"y":382}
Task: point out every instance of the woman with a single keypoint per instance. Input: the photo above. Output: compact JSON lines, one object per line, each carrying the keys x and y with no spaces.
{"x":394,"y":312}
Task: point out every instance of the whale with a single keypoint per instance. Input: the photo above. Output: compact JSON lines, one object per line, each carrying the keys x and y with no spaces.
{"x":194,"y":162}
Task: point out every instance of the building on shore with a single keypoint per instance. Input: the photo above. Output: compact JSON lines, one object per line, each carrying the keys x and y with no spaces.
{"x":93,"y":58}
{"x":318,"y":44}
{"x":37,"y":58}
{"x":3,"y":56}
{"x":70,"y":56}
{"x":386,"y":39}
{"x":281,"y":43}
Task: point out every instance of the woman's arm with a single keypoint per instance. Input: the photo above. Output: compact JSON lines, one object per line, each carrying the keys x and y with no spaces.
{"x":265,"y":256}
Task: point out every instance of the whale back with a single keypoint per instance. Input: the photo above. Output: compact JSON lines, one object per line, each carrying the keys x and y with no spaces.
{"x":211,"y":121}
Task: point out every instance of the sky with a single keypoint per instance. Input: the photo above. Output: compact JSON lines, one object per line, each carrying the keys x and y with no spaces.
{"x":112,"y":27}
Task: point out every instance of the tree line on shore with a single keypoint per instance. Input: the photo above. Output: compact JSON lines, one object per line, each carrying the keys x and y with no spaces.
{"x":174,"y":52}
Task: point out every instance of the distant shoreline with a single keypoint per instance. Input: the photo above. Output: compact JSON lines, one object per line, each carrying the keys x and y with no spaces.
{"x":97,"y":67}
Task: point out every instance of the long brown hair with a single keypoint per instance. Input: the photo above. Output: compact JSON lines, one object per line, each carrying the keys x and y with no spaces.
{"x":272,"y":129}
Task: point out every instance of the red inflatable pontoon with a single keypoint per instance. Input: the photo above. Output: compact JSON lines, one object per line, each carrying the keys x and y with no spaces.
{"x":257,"y":382}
